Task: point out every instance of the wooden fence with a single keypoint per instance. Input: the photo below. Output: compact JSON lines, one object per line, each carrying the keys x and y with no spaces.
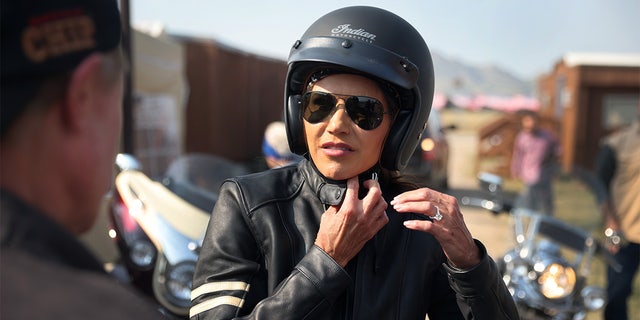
{"x":233,"y":96}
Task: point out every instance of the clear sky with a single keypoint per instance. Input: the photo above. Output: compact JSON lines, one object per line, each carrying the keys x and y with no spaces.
{"x":525,"y":37}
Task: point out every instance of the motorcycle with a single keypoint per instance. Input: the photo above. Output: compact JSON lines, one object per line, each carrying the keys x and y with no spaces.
{"x":158,"y":226}
{"x":548,"y":267}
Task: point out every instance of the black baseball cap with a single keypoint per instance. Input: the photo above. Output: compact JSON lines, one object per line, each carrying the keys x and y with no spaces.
{"x":41,"y":38}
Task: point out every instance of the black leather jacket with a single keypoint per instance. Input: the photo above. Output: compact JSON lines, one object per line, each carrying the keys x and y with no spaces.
{"x":258,"y":261}
{"x":47,"y":273}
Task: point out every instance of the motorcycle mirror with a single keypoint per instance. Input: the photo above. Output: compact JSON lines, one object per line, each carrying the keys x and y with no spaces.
{"x":490,"y":181}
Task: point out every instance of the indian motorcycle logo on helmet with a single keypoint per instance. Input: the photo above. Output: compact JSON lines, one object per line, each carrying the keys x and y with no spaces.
{"x":345,"y":31}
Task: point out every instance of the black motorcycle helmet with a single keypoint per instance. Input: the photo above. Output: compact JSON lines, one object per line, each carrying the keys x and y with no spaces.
{"x":375,"y":43}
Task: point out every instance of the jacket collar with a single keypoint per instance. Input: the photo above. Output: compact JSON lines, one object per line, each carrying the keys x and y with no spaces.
{"x":27,"y":229}
{"x":330,"y":192}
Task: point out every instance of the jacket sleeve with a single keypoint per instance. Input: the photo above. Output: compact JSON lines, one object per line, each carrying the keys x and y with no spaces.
{"x":231,"y":281}
{"x":480,"y":291}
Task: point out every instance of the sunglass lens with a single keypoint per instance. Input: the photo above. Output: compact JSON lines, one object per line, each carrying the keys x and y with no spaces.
{"x":317,"y":106}
{"x":365,"y":112}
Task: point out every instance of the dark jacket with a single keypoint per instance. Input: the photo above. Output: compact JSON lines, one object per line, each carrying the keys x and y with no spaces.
{"x":259,"y":261}
{"x":46,"y":273}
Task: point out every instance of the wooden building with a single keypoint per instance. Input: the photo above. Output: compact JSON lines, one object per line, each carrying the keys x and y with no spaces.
{"x":590,"y":95}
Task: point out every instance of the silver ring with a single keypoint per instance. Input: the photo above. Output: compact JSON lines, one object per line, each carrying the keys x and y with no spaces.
{"x":438,"y":215}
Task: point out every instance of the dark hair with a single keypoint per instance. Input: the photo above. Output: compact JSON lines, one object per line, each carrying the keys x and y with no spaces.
{"x":528,"y":113}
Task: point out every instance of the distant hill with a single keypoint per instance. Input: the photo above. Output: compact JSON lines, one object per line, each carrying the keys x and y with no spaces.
{"x":457,"y":77}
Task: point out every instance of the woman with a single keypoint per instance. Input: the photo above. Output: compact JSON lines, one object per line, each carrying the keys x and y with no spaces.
{"x":340,"y":235}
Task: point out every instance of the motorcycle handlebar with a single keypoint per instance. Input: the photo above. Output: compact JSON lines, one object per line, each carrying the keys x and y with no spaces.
{"x":497,"y":201}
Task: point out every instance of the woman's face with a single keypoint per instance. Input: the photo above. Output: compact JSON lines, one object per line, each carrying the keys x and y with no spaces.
{"x":337,"y":146}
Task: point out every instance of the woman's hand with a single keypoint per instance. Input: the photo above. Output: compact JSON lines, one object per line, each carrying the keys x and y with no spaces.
{"x":344,"y":229}
{"x":451,"y":231}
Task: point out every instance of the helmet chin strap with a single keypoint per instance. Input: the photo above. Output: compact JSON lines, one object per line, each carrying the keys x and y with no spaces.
{"x":365,"y":175}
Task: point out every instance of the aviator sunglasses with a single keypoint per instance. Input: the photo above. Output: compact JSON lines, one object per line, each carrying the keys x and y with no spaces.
{"x":365,"y":112}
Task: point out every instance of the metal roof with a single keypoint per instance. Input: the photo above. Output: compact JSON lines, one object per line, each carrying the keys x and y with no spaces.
{"x":602,"y":59}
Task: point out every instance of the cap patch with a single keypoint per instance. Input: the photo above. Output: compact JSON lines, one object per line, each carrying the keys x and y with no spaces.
{"x":58,"y":33}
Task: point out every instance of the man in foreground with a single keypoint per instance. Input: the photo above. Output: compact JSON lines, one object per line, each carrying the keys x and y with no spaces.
{"x":62,"y":89}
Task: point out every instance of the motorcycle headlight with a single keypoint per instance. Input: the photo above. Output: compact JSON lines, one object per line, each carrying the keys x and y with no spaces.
{"x":179,"y":279}
{"x":427,"y":144}
{"x":172,"y":285}
{"x":557,"y":281}
{"x":142,"y":253}
{"x":594,"y":298}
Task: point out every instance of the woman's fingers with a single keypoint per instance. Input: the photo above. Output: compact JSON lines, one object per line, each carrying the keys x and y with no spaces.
{"x":423,"y":194}
{"x":344,"y":229}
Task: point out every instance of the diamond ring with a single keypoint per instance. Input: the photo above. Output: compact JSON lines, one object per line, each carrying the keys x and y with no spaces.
{"x":438,"y":215}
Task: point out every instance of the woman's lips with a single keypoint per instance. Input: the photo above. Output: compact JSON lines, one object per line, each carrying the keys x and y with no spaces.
{"x":336,"y":149}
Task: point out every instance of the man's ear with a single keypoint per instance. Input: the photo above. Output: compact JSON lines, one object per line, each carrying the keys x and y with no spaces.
{"x":82,"y":93}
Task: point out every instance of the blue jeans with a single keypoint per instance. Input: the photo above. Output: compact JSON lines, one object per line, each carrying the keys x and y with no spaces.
{"x":538,"y":197}
{"x":620,"y":284}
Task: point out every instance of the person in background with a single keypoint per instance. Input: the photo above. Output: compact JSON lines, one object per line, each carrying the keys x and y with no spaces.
{"x":61,"y":105}
{"x":341,"y":234}
{"x":533,"y":162}
{"x":618,"y":168}
{"x":275,"y":146}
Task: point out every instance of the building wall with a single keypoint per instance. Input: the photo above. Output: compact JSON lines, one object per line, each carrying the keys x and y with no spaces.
{"x":575,"y":96}
{"x":159,"y":92}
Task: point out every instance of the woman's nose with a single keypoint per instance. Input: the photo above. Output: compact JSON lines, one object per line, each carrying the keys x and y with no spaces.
{"x":339,"y":121}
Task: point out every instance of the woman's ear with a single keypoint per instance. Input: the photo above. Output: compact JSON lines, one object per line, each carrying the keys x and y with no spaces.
{"x":82,"y":93}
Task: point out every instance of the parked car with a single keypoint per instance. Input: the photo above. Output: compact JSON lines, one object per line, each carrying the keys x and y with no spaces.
{"x":429,"y":164}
